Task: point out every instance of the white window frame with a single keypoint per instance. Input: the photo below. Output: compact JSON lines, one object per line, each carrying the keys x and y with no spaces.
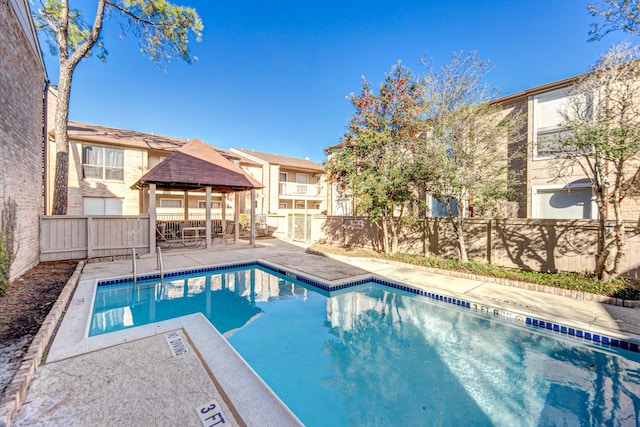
{"x":202,"y":204}
{"x":283,"y":184}
{"x":162,"y":201}
{"x":103,"y":166}
{"x":554,"y":94}
{"x":535,"y":209}
{"x":302,"y":184}
{"x":108,"y":203}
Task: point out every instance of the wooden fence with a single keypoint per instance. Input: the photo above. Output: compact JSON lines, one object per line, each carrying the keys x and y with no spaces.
{"x":529,"y":244}
{"x":79,"y":237}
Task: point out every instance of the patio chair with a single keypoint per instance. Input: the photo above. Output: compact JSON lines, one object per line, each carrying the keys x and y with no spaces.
{"x":166,"y":237}
{"x":227,"y":233}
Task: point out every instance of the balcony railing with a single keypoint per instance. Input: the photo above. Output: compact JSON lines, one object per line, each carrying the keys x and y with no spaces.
{"x":295,"y":189}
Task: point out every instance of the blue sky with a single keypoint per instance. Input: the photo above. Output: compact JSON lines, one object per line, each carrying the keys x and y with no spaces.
{"x":274,"y":76}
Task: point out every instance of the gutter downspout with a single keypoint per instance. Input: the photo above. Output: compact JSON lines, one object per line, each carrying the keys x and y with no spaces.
{"x":45,"y":147}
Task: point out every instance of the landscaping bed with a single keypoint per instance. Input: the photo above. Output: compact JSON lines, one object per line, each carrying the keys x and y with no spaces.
{"x":25,"y":305}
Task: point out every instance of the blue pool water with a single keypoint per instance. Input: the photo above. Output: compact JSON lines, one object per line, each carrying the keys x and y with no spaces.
{"x":373,"y":355}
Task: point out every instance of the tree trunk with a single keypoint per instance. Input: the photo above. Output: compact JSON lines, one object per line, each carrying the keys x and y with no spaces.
{"x":61,"y":183}
{"x":462,"y":246}
{"x":385,"y":235}
{"x":618,"y":234}
{"x":394,"y":234}
{"x":603,"y":252}
{"x":457,"y":223}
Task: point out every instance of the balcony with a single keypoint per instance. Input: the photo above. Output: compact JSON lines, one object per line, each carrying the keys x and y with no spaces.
{"x":293,"y":190}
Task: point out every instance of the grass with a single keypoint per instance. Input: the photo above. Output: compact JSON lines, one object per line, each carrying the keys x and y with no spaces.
{"x":618,"y":288}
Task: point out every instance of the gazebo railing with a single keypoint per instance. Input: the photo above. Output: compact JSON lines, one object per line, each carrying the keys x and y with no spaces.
{"x":175,"y":222}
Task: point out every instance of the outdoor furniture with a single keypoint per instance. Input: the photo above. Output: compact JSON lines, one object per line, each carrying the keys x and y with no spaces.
{"x":262,"y":229}
{"x":192,"y":232}
{"x":227,"y":233}
{"x":167,"y":238}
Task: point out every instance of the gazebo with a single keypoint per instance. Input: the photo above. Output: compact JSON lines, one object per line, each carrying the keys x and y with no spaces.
{"x":198,"y":167}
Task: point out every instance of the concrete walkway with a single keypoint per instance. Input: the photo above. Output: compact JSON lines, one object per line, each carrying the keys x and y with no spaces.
{"x":135,"y":377}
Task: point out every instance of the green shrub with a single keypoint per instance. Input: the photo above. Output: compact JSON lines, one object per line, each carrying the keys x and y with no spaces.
{"x":245,"y":222}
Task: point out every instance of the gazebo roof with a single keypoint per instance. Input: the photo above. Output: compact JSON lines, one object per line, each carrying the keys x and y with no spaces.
{"x":195,"y":166}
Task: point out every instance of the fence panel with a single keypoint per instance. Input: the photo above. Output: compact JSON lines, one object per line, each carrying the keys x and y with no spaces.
{"x":529,"y":244}
{"x":63,"y":237}
{"x":78,"y":237}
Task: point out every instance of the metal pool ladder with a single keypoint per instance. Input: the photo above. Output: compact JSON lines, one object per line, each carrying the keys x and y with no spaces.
{"x":134,"y":265}
{"x":159,"y":263}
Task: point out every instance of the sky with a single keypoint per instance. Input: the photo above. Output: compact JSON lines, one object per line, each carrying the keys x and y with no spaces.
{"x":275,"y":76}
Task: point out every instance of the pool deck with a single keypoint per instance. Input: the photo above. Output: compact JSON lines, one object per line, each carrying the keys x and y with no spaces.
{"x":172,"y":372}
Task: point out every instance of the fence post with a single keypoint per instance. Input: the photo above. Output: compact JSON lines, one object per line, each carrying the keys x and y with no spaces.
{"x":153,"y":216}
{"x":89,"y":237}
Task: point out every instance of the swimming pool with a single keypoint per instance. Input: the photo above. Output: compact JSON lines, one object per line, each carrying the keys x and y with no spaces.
{"x":370,"y":354}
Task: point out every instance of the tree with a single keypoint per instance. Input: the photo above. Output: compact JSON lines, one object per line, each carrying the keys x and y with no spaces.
{"x":162,"y":28}
{"x":463,"y":153}
{"x":602,"y":138}
{"x":618,"y":15}
{"x":374,"y":158}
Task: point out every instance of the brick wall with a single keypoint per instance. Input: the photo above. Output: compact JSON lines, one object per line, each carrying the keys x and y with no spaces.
{"x":22,"y":78}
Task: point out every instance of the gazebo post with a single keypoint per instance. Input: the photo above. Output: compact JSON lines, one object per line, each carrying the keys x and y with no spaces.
{"x":207,"y":225}
{"x":223,"y":198}
{"x":152,"y":218}
{"x":236,"y":216}
{"x":252,"y":235}
{"x":186,"y":205}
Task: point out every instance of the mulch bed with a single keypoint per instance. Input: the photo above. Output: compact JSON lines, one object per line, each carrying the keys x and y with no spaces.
{"x":24,"y":307}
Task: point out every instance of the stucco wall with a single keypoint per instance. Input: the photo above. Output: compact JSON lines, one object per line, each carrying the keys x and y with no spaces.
{"x":22,"y":78}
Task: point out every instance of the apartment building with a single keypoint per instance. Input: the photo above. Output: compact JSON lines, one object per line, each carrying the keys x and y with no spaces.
{"x":22,"y":83}
{"x":105,"y":163}
{"x":543,"y":193}
{"x":291,"y":185}
{"x":540,"y":193}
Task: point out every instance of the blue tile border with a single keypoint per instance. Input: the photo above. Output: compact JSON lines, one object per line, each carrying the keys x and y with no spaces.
{"x":529,"y":321}
{"x":587,"y":336}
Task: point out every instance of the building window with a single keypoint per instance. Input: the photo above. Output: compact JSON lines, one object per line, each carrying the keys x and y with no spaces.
{"x":439,"y":209}
{"x":170,"y":203}
{"x":547,"y":123}
{"x":302,"y":180}
{"x":102,"y":163}
{"x":283,"y":183}
{"x":102,"y":206}
{"x":562,"y":203}
{"x":202,"y":204}
{"x":282,"y":206}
